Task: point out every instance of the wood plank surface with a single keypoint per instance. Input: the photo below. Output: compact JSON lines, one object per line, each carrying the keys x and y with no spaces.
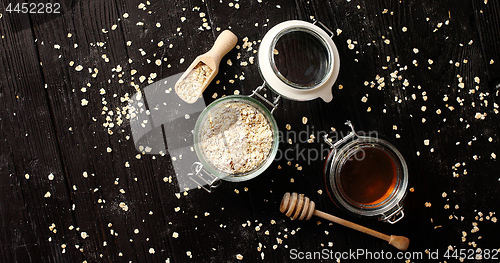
{"x":421,"y":74}
{"x":35,"y":204}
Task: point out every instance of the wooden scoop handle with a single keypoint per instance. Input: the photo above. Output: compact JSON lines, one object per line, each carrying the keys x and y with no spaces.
{"x":299,"y":206}
{"x":223,"y":44}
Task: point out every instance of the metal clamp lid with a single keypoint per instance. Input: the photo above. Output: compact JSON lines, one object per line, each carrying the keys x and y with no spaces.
{"x":202,"y":177}
{"x":273,"y":104}
{"x":393,"y":216}
{"x":352,"y":134}
{"x":324,"y":27}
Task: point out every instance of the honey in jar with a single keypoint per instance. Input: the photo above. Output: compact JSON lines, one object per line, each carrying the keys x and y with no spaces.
{"x":368,"y":176}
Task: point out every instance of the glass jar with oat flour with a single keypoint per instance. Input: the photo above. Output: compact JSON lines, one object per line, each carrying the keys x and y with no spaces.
{"x":236,"y":137}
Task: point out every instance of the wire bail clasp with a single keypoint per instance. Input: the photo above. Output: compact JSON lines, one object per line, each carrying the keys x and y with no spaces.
{"x":394,"y":216}
{"x":199,"y":174}
{"x":274,"y":104}
{"x":349,"y":136}
{"x":321,"y":25}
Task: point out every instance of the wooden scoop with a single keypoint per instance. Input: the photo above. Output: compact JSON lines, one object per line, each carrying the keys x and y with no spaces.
{"x":204,"y":68}
{"x":299,"y":206}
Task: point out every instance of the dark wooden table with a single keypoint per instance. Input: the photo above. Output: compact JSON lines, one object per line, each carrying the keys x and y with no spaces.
{"x":424,"y":74}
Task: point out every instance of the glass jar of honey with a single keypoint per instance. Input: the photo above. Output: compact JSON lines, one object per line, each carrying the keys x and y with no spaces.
{"x":366,"y":176}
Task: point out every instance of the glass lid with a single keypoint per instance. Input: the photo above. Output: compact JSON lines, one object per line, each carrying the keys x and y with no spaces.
{"x":301,"y":58}
{"x":298,"y":60}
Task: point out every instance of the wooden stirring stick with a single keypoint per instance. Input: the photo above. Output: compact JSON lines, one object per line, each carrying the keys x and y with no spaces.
{"x":299,"y":206}
{"x":204,"y":68}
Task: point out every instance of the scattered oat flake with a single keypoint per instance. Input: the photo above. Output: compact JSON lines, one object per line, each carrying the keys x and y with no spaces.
{"x":480,"y":116}
{"x":239,"y":257}
{"x":123,"y":206}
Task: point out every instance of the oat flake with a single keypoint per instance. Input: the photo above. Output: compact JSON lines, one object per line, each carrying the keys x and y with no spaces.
{"x":191,"y":85}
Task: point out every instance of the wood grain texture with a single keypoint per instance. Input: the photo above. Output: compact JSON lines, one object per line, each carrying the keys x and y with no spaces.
{"x":422,"y":74}
{"x":486,"y":23}
{"x":34,"y":207}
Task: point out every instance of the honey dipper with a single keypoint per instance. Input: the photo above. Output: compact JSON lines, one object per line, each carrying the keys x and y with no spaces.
{"x":301,"y":207}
